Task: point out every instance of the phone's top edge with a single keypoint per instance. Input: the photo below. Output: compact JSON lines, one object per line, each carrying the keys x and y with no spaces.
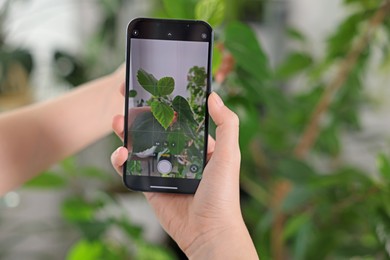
{"x":169,"y":20}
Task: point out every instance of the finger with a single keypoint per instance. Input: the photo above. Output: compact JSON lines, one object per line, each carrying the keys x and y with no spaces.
{"x":122,"y":88}
{"x":210,"y":147}
{"x":118,"y":125}
{"x":221,"y":174}
{"x":118,"y":158}
{"x":226,"y":146}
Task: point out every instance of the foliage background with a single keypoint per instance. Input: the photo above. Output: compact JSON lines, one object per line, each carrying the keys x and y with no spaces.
{"x":301,"y":198}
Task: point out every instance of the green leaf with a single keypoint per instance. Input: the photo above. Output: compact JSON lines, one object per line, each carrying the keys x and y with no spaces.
{"x":347,"y":102}
{"x":47,"y":180}
{"x":134,"y":167}
{"x":366,"y":4}
{"x":328,"y":141}
{"x":294,"y":224}
{"x":93,"y":229}
{"x":157,"y":88}
{"x":212,"y":11}
{"x":86,"y":250}
{"x":133,"y":231}
{"x":340,"y":42}
{"x":188,"y":129}
{"x":249,"y":118}
{"x":197,"y":76}
{"x":296,"y":35}
{"x":344,"y":176}
{"x":110,"y":7}
{"x":132,"y":93}
{"x":179,"y":9}
{"x":303,"y":239}
{"x":183,"y":108}
{"x":163,"y":113}
{"x":383,"y":164}
{"x":147,"y":81}
{"x":76,"y":209}
{"x":245,"y":48}
{"x":250,"y":85}
{"x":148,"y":251}
{"x":298,"y":197}
{"x":145,"y":131}
{"x":69,"y":165}
{"x":179,"y":142}
{"x":295,"y":63}
{"x":93,"y":172}
{"x":295,"y":170}
{"x":217,"y":59}
{"x":165,"y":86}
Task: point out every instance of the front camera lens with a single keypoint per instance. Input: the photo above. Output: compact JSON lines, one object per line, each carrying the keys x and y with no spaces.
{"x":135,"y":32}
{"x":204,"y":36}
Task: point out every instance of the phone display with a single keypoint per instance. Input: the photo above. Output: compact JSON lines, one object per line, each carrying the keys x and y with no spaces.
{"x":166,"y":118}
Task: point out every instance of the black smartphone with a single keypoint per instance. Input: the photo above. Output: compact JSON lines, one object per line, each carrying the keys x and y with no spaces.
{"x":168,"y":80}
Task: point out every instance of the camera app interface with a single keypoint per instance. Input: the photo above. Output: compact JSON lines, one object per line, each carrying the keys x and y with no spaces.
{"x":166,"y":117}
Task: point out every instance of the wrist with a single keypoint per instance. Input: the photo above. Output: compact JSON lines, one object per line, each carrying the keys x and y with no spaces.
{"x":233,"y":242}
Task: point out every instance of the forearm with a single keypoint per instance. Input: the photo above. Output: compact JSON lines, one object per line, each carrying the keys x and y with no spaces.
{"x":35,"y":137}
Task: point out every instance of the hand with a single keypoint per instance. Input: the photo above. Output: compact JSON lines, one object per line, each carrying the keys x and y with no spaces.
{"x":208,"y":224}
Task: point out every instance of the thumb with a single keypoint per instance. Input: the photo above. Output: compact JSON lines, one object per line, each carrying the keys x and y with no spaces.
{"x":221,"y":175}
{"x":226,"y":146}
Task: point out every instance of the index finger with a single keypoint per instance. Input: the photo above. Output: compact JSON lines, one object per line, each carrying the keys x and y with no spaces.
{"x":122,"y":88}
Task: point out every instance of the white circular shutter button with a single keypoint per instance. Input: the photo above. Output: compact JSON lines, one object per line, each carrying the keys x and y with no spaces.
{"x":164,"y":166}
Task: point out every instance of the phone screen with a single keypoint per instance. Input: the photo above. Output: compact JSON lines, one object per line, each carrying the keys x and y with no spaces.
{"x":168,"y":84}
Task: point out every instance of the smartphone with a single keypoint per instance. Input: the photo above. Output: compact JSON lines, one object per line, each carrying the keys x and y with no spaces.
{"x":168,"y":80}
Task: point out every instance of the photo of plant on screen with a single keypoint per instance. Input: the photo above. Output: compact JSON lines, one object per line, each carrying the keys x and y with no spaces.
{"x":166,"y":117}
{"x":168,"y":127}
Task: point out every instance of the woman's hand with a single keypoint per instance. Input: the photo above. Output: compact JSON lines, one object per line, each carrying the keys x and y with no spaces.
{"x":208,"y":224}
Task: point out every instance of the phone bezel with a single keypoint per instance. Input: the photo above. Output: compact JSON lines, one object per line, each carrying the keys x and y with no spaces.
{"x":181,"y":30}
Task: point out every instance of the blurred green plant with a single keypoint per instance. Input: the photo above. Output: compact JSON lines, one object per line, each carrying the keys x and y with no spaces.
{"x":214,"y":11}
{"x":293,"y":209}
{"x":96,"y":214}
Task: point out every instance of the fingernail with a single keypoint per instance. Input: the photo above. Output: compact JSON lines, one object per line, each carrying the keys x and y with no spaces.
{"x":218,"y":100}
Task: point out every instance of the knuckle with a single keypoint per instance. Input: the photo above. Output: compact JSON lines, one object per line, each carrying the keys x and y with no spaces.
{"x":234,"y":119}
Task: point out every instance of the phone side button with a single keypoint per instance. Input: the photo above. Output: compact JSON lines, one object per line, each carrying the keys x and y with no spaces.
{"x":163,"y":187}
